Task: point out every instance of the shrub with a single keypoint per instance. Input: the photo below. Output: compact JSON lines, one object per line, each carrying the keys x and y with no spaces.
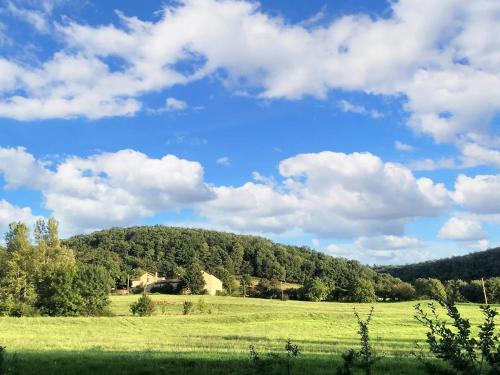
{"x":187,"y":307}
{"x":202,"y":306}
{"x":143,"y":307}
{"x":268,"y":289}
{"x":456,"y":346}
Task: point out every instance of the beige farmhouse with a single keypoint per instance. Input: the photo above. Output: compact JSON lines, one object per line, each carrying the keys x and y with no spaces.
{"x":212,"y":284}
{"x":148,"y":280}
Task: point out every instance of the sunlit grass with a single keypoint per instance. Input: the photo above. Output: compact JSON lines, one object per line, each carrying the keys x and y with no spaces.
{"x":222,"y":333}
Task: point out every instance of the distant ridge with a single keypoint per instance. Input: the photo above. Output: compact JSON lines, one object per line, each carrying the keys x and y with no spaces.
{"x":466,"y":267}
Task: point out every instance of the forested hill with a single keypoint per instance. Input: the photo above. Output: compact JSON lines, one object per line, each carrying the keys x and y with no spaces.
{"x":163,"y":249}
{"x":467,"y":267}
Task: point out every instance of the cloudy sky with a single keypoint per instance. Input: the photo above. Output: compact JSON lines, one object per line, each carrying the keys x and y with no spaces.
{"x":364,"y":129}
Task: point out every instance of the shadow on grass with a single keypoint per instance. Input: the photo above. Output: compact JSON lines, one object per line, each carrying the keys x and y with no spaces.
{"x":145,"y":363}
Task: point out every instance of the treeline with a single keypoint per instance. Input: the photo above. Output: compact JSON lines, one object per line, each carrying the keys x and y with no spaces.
{"x":468,"y":267}
{"x":384,"y":287}
{"x":45,"y":278}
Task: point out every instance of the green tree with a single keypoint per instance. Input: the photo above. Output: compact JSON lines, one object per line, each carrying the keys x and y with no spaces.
{"x":194,"y":279}
{"x":430,"y":288}
{"x":93,"y":283}
{"x":245,"y":284}
{"x":402,"y":291}
{"x":473,"y":291}
{"x":56,"y":293}
{"x":363,"y":291}
{"x":17,"y":287}
{"x":314,"y":290}
{"x":453,"y":290}
{"x":227,"y":279}
{"x":492,"y":286}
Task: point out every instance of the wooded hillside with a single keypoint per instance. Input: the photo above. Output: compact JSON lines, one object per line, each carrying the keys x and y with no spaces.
{"x":162,"y":249}
{"x":467,"y":267}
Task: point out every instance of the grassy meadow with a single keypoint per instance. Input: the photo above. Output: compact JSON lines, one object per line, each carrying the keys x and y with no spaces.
{"x":215,"y":341}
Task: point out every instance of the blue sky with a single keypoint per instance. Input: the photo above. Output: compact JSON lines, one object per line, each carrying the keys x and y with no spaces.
{"x":364,"y":129}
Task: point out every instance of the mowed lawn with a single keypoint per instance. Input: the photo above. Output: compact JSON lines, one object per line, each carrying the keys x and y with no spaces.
{"x":215,"y":341}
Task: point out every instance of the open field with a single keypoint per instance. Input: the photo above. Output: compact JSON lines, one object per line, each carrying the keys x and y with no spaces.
{"x":213,"y":342}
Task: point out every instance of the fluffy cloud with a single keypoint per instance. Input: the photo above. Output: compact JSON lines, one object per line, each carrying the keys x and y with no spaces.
{"x":347,"y":106}
{"x":478,"y":194}
{"x":332,"y":195}
{"x":388,"y":242}
{"x":461,"y":230}
{"x":224,"y":160}
{"x":10,"y":213}
{"x":403,"y":146}
{"x":173,"y":104}
{"x":109,"y":188}
{"x":442,"y":56}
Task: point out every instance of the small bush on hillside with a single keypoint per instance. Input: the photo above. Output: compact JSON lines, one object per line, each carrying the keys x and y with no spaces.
{"x":454,"y":344}
{"x":143,"y":307}
{"x":187,"y":307}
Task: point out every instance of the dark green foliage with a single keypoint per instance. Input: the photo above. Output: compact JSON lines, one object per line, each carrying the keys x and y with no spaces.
{"x":56,"y":292}
{"x":193,"y":279}
{"x":93,"y":283}
{"x":2,"y":360}
{"x":454,"y":290}
{"x":489,"y":340}
{"x":164,"y":249}
{"x":292,"y":351}
{"x":187,"y":307}
{"x":455,"y":345}
{"x":314,"y":290}
{"x":268,"y":289}
{"x":44,"y":277}
{"x":473,"y":291}
{"x":348,"y":362}
{"x":492,"y":286}
{"x":143,"y":307}
{"x":245,"y":284}
{"x":467,"y":267}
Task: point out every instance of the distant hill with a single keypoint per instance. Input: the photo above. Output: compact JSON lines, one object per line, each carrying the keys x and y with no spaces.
{"x":164,"y":249}
{"x":466,"y":267}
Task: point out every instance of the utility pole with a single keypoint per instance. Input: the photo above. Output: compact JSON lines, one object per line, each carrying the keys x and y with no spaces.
{"x":484,"y":291}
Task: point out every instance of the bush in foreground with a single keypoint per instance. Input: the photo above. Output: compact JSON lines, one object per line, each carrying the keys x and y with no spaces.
{"x":143,"y":307}
{"x":461,"y":352}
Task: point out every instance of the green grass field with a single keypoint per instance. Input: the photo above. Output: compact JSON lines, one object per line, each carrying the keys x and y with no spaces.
{"x":213,"y":342}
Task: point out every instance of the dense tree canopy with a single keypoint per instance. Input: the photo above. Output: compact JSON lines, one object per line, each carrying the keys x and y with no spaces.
{"x":165,"y":249}
{"x":44,"y":277}
{"x":468,"y":267}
